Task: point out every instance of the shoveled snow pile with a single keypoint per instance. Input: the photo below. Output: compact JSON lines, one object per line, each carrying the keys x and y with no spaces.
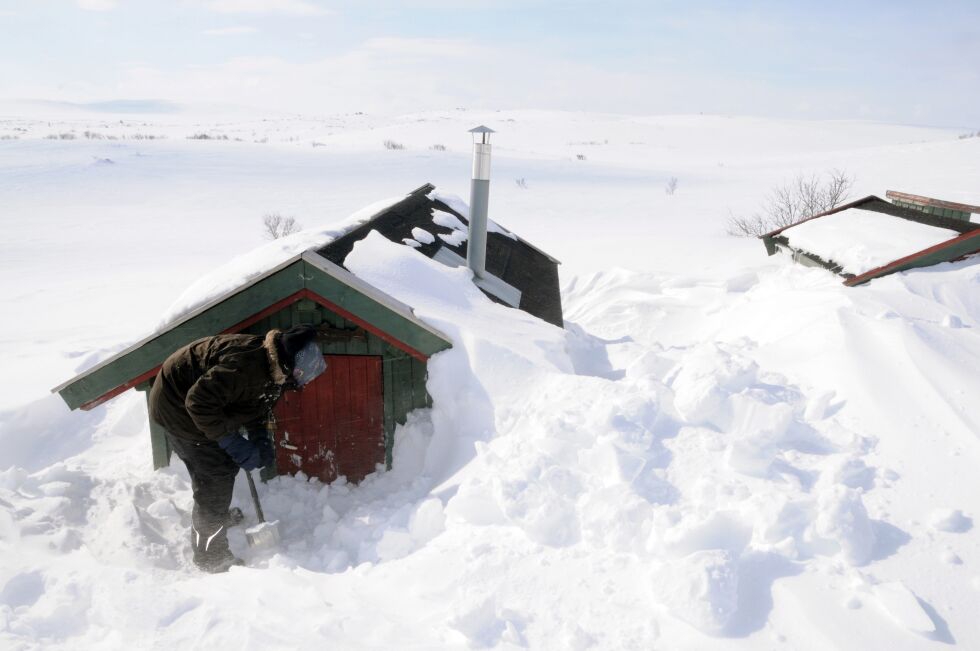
{"x":675,"y":468}
{"x":862,"y":240}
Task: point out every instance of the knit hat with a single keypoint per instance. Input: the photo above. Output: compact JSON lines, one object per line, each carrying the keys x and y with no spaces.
{"x":308,"y":364}
{"x":294,"y":340}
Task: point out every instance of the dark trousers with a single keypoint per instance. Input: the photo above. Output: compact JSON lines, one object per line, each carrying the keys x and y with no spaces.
{"x":212,"y":479}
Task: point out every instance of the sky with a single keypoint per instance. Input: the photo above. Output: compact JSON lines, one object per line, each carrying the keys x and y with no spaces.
{"x":893,"y":61}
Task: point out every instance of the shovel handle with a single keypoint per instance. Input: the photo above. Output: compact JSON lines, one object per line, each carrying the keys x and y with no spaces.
{"x":255,"y":496}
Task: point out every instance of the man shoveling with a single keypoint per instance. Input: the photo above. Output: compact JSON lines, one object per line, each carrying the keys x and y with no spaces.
{"x":209,"y":392}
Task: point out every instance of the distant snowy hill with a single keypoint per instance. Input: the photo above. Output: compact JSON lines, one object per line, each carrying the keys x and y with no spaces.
{"x":111,"y":106}
{"x":722,"y":450}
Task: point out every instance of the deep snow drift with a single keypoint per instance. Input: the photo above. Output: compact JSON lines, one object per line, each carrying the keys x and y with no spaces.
{"x":742,"y":454}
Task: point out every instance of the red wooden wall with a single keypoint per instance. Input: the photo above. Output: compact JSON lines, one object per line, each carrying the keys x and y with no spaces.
{"x":335,"y":425}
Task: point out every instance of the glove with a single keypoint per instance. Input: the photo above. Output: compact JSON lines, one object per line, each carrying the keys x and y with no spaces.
{"x":263,"y":441}
{"x":242,"y":451}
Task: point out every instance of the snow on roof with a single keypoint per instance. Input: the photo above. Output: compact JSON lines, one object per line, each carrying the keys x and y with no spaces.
{"x":862,"y":240}
{"x":462,"y":208}
{"x":238,"y":271}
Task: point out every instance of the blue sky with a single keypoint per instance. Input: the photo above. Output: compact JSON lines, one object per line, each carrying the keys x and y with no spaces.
{"x":912,"y":62}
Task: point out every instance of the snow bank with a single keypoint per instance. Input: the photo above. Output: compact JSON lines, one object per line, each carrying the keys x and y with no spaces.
{"x":862,"y":240}
{"x":564,"y":491}
{"x":44,"y":432}
{"x":662,"y":481}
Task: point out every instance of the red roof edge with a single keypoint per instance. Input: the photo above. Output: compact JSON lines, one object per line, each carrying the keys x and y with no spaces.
{"x":894,"y":264}
{"x":109,"y":395}
{"x":846,"y":206}
{"x":397,"y":343}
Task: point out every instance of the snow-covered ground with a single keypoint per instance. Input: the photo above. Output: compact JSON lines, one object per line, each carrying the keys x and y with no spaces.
{"x":720,"y":451}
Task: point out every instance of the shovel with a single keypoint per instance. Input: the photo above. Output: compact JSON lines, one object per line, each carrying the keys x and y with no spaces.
{"x":264,"y":535}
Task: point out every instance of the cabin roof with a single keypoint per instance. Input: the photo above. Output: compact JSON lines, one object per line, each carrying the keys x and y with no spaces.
{"x":304,"y":276}
{"x":871,"y":237}
{"x":318,"y":274}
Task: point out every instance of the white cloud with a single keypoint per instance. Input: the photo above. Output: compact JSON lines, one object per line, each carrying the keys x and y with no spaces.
{"x":290,"y":7}
{"x":235,"y":30}
{"x":96,"y":5}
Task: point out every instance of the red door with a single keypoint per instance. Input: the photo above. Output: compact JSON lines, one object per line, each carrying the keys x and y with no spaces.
{"x":335,"y":425}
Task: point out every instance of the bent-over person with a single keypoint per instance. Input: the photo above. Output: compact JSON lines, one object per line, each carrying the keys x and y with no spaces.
{"x":214,"y":398}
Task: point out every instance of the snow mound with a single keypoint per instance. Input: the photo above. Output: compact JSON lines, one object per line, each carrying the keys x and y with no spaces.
{"x":701,"y":589}
{"x":677,"y":466}
{"x":843,"y":521}
{"x":903,"y":607}
{"x":950,"y":520}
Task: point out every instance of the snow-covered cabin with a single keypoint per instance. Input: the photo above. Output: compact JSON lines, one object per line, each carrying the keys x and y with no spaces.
{"x":872,"y":237}
{"x":344,"y":422}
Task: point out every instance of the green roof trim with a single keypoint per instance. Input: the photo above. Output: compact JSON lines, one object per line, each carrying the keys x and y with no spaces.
{"x":363,"y":300}
{"x":948,"y":251}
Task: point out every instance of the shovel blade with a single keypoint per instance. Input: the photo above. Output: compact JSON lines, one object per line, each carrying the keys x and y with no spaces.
{"x":264,"y":535}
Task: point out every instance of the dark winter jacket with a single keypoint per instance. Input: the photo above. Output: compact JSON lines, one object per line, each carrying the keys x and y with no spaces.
{"x":213,"y":386}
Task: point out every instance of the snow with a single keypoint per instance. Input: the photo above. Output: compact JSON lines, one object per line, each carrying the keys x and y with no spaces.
{"x":721,"y":450}
{"x":449,"y":220}
{"x":862,"y":240}
{"x":950,"y":520}
{"x":903,"y":607}
{"x":236,"y":273}
{"x":700,"y":588}
{"x":423,"y":236}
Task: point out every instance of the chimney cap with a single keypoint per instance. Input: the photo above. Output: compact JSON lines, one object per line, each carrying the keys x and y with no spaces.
{"x":482,"y":129}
